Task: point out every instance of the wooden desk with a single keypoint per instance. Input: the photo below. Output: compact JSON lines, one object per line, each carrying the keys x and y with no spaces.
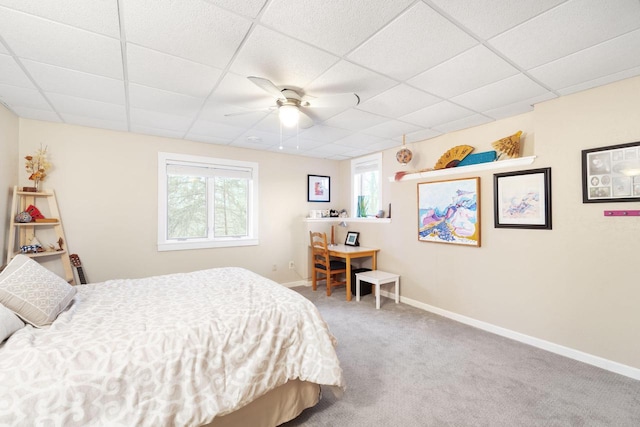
{"x":350,"y":252}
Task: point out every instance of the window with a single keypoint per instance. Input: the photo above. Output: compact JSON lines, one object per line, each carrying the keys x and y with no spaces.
{"x":206,"y":203}
{"x":365,"y":183}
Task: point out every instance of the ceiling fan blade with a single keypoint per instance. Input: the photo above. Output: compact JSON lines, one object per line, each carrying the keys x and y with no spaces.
{"x":304,"y":121}
{"x":343,"y":100}
{"x":267,"y":86}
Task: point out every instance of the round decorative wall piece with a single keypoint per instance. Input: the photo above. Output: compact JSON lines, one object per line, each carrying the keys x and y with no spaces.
{"x":404,"y":156}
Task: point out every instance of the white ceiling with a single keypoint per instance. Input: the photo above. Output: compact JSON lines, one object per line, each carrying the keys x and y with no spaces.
{"x":421,"y":68}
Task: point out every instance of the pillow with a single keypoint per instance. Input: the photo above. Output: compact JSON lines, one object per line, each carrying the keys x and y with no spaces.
{"x":9,"y":323}
{"x":32,"y":292}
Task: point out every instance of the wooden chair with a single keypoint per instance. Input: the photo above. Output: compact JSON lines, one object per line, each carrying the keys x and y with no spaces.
{"x":322,"y":264}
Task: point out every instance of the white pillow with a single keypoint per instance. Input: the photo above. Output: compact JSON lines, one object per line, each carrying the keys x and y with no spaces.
{"x":32,"y":292}
{"x":9,"y":323}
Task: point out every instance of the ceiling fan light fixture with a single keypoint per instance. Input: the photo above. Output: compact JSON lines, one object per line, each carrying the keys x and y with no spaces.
{"x":289,"y":115}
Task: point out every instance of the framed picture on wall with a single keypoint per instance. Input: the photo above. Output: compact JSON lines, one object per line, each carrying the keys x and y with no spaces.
{"x":449,"y":211}
{"x":522,"y":199}
{"x":611,"y":174}
{"x":318,"y":188}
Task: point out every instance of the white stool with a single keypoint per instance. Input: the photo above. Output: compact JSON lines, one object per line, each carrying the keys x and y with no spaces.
{"x":378,"y":278}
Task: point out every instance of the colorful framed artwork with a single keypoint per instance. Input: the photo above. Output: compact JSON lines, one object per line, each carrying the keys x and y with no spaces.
{"x":522,"y":199}
{"x":611,"y":174}
{"x":318,"y":188}
{"x":352,"y":238}
{"x":449,"y":211}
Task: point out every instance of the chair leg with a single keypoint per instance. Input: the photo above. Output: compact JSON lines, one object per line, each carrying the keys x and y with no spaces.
{"x":328,"y":285}
{"x":314,"y":281}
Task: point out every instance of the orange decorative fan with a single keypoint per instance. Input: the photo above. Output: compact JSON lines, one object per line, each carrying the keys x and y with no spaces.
{"x":510,"y":145}
{"x":453,"y":156}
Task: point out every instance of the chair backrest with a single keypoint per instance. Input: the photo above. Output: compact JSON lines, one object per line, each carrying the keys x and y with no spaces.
{"x":319,"y":249}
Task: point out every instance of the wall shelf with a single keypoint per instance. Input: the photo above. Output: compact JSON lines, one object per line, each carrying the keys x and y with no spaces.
{"x":500,"y":164}
{"x":347,"y":220}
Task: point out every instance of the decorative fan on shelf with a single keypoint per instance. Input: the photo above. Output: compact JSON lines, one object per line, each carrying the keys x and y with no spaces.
{"x":453,"y":156}
{"x":509,"y":146}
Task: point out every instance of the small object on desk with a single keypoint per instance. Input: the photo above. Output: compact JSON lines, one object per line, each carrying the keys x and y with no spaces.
{"x":46,"y":219}
{"x":23,"y":217}
{"x":352,"y":238}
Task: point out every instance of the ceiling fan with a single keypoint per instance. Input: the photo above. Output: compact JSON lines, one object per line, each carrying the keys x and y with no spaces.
{"x":296,"y":109}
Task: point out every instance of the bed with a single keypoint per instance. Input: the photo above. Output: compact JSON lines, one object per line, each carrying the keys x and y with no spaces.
{"x":216,"y":347}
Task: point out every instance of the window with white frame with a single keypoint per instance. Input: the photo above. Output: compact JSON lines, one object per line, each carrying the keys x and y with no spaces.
{"x":205,"y":202}
{"x":366,"y":195}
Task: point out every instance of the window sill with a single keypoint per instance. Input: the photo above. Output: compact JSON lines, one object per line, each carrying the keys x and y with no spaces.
{"x":334,"y":219}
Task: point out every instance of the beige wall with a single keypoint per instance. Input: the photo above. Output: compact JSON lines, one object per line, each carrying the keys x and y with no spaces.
{"x":573,"y":286}
{"x":576,"y":285}
{"x":106,"y":185}
{"x":8,"y":171}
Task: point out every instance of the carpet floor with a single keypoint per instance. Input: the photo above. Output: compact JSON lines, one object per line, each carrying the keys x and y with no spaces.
{"x":408,"y":367}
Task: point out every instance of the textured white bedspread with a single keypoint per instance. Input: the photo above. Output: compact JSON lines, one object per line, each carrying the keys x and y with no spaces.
{"x":172,"y":350}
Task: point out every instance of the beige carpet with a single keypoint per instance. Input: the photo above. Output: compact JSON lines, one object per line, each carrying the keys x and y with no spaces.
{"x":408,"y":367}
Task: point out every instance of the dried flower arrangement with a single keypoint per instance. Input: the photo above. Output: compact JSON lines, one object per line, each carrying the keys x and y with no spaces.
{"x":37,"y":166}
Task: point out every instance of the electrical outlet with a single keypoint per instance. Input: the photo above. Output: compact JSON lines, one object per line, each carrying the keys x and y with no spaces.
{"x":274,"y":268}
{"x":291,"y":265}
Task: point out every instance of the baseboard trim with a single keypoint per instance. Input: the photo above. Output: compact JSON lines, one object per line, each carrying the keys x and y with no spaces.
{"x":296,"y":283}
{"x":609,"y":365}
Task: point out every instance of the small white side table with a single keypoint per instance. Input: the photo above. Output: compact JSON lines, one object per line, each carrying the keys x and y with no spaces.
{"x":378,"y":277}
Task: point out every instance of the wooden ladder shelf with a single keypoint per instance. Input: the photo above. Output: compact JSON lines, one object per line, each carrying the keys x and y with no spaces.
{"x":49,"y":231}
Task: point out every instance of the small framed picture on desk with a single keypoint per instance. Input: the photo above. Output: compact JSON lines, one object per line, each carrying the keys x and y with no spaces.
{"x":352,"y":238}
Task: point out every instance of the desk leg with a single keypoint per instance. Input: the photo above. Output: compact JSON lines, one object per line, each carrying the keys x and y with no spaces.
{"x":374,"y":261}
{"x":348,"y":259}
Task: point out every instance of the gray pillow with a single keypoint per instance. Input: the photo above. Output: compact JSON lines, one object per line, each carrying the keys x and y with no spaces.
{"x":9,"y":323}
{"x":33,"y":292}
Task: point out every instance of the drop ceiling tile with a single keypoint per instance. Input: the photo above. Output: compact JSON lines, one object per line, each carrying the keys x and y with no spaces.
{"x":384,"y":145}
{"x":391,"y":129}
{"x":217,"y":131}
{"x":337,"y":26}
{"x":324,"y":134}
{"x":249,"y":8}
{"x":12,"y":74}
{"x":631,"y":72}
{"x":501,"y":93}
{"x":285,"y":61}
{"x":331,"y":149}
{"x":406,"y":47}
{"x":66,"y":104}
{"x":487,"y":18}
{"x":620,"y":53}
{"x":442,"y":112}
{"x":209,"y":139}
{"x":218,"y":112}
{"x":355,"y":120}
{"x":97,"y":16}
{"x":359,"y":140}
{"x":345,"y":77}
{"x":152,"y":119}
{"x":46,"y":41}
{"x":3,"y":49}
{"x":302,"y":143}
{"x":193,"y":30}
{"x":37,"y":114}
{"x":422,"y":135}
{"x":95,"y":122}
{"x":470,"y":70}
{"x":398,"y":101}
{"x":16,"y":96}
{"x":464,"y":123}
{"x":568,"y":28}
{"x":520,"y":107}
{"x":146,"y":130}
{"x":256,"y":139}
{"x":160,"y":70}
{"x":151,"y":99}
{"x":56,"y":79}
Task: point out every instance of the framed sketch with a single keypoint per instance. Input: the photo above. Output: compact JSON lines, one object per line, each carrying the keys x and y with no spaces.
{"x":611,"y":174}
{"x":352,"y":238}
{"x":449,"y":211}
{"x":522,"y":199}
{"x":318,"y":188}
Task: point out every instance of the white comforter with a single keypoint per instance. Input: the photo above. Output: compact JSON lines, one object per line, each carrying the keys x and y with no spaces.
{"x":172,"y":350}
